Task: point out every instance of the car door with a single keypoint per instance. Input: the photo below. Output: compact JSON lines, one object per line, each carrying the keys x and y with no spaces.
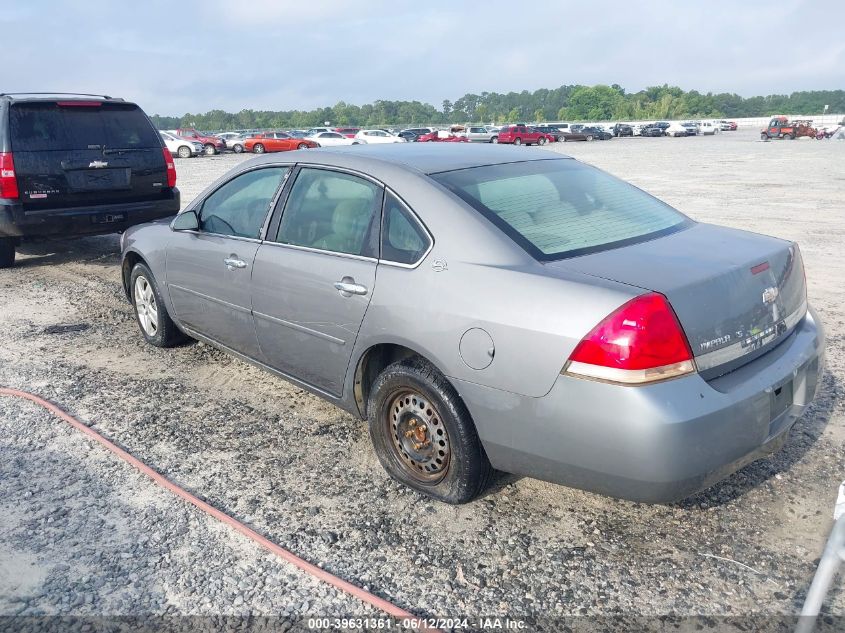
{"x":314,"y":275}
{"x":209,"y":269}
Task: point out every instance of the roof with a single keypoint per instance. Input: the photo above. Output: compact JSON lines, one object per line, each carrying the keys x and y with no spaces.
{"x":53,"y":96}
{"x":428,"y":158}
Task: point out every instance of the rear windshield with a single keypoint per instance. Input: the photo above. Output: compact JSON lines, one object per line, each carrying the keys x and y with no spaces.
{"x":562,"y":208}
{"x":48,"y":126}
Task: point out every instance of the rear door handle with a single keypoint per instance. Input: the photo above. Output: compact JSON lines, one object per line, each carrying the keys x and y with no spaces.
{"x":233,"y":262}
{"x":347,"y":287}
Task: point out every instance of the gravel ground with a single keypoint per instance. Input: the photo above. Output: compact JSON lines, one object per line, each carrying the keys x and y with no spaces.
{"x":82,"y":533}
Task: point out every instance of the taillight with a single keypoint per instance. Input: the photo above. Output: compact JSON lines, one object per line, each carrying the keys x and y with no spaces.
{"x":8,"y":180}
{"x":640,"y":342}
{"x":171,"y":167}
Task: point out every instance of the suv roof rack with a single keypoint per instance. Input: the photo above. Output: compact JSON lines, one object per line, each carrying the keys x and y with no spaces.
{"x":75,"y":94}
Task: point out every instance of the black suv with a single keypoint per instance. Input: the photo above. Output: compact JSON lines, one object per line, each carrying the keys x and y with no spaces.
{"x":78,"y":165}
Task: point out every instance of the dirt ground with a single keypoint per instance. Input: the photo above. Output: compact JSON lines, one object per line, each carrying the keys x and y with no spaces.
{"x":302,"y":472}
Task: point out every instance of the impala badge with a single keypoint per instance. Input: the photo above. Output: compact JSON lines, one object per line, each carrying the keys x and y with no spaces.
{"x":770,"y":294}
{"x":97,"y":164}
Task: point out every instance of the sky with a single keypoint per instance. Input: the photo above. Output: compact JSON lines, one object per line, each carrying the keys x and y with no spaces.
{"x":184,"y":56}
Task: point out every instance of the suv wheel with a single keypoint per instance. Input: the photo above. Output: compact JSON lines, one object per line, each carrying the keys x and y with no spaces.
{"x":423,"y":434}
{"x":210,"y":150}
{"x":156,"y":325}
{"x":517,"y":141}
{"x":7,"y":252}
{"x":764,"y":137}
{"x":184,"y":151}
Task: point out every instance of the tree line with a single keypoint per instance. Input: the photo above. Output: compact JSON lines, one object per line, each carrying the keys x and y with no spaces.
{"x":566,"y":103}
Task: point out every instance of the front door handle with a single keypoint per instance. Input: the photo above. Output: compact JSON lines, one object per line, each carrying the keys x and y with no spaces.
{"x":347,"y":287}
{"x":232,"y":262}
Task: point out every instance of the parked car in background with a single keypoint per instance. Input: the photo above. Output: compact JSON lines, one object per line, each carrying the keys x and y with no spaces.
{"x":479,"y":134}
{"x":442,"y":136}
{"x":78,"y":165}
{"x":378,"y":136}
{"x":348,"y":132}
{"x":522,"y":134}
{"x":332,"y":139}
{"x":181,"y":147}
{"x":595,"y":133}
{"x":554,"y":133}
{"x":409,"y":136}
{"x":652,"y":130}
{"x":317,"y":130}
{"x":418,"y":131}
{"x":667,"y":353}
{"x":233,"y":140}
{"x":296,"y":133}
{"x":707,"y":128}
{"x":676,"y":129}
{"x":276,"y":142}
{"x":212,"y":144}
{"x":691,"y":128}
{"x":623,"y":129}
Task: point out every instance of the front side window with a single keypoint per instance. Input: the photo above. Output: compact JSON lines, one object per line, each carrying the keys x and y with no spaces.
{"x":402,"y":239}
{"x":331,"y":211}
{"x":239,"y":207}
{"x":561,"y":208}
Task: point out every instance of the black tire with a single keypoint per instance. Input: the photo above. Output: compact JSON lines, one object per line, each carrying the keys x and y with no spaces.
{"x":542,"y":140}
{"x":237,"y":148}
{"x":494,"y":139}
{"x":184,"y":151}
{"x":210,"y":150}
{"x":517,"y":141}
{"x":166,"y":333}
{"x":764,"y":137}
{"x":589,"y":137}
{"x":304,"y":146}
{"x":7,"y":252}
{"x":258,"y":148}
{"x":467,"y":470}
{"x":788,"y":137}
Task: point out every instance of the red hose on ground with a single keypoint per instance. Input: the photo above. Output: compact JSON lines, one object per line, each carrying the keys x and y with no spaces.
{"x":321,"y":574}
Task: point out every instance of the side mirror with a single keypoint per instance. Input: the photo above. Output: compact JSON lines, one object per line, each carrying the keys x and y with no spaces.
{"x":186,"y":221}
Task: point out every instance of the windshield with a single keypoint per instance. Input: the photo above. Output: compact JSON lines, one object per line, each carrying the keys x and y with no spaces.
{"x":562,"y":208}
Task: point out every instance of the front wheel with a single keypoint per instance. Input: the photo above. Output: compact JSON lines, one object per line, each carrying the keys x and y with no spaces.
{"x":302,"y":146}
{"x":237,"y":148}
{"x":423,"y":434}
{"x":156,"y":325}
{"x":788,"y":137}
{"x":184,"y":151}
{"x":589,"y":138}
{"x":210,"y":150}
{"x":7,"y":252}
{"x":542,"y":140}
{"x":258,"y":149}
{"x":764,"y":137}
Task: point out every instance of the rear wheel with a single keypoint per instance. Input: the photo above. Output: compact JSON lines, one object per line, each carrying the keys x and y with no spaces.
{"x":184,"y":151}
{"x":542,"y":140}
{"x":156,"y":325}
{"x":302,"y":146}
{"x":7,"y":252}
{"x":589,"y":137}
{"x":423,"y":434}
{"x":210,"y":150}
{"x":517,"y":141}
{"x":494,"y":139}
{"x":237,"y":148}
{"x":258,"y":148}
{"x":788,"y":137}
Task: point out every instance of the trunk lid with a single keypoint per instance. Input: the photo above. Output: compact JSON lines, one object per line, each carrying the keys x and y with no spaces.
{"x":736,"y":294}
{"x":70,"y":154}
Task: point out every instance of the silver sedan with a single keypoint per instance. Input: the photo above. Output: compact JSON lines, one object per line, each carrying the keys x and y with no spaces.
{"x":486,"y":307}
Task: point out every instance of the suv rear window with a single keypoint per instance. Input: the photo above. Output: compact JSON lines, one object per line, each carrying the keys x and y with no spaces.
{"x":49,"y":126}
{"x":562,"y":208}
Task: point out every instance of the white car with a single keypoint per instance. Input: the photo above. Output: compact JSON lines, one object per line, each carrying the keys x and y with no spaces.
{"x":676,"y":129}
{"x":707,"y":128}
{"x":378,"y":136}
{"x":234,"y":141}
{"x":181,"y":147}
{"x":332,"y":139}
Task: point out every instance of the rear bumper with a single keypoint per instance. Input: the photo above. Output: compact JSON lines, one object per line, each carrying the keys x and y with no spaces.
{"x":656,"y":443}
{"x":88,"y":220}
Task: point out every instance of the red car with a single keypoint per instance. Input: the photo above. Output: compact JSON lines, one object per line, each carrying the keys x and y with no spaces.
{"x":276,"y":142}
{"x":523,"y":135}
{"x":213,"y":144}
{"x":434,"y":137}
{"x":348,"y":132}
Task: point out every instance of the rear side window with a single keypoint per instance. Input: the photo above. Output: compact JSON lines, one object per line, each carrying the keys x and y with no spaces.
{"x":48,"y":126}
{"x":562,"y":208}
{"x":402,"y":239}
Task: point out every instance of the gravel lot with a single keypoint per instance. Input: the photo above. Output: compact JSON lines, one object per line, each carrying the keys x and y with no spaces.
{"x":81,"y":533}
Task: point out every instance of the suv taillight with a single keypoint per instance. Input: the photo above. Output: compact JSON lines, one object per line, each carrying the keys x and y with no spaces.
{"x":641,"y":342}
{"x":8,"y":180}
{"x":171,"y":167}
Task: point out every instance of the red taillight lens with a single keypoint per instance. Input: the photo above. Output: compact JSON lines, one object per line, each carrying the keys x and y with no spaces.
{"x":8,"y":180}
{"x":640,"y":342}
{"x":171,"y":167}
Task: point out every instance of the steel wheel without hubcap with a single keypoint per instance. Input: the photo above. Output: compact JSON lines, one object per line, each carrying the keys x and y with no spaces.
{"x":420,"y":441}
{"x":145,"y":306}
